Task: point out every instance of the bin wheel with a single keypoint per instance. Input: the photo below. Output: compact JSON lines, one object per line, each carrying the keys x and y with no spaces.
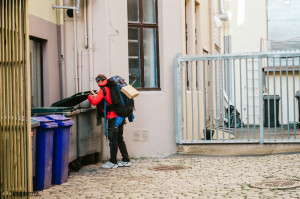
{"x":75,"y":165}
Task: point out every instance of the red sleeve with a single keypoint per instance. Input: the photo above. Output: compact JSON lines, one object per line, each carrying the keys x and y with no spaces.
{"x":96,"y":100}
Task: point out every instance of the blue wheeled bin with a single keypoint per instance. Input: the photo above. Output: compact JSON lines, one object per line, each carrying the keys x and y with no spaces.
{"x":61,"y":143}
{"x":44,"y":152}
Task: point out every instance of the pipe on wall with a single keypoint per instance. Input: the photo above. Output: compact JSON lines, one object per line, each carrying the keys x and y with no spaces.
{"x":85,"y":25}
{"x":90,"y":43}
{"x":75,"y":53}
{"x":223,"y":16}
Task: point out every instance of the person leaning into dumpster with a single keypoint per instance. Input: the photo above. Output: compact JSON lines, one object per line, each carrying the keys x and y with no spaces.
{"x":115,"y":134}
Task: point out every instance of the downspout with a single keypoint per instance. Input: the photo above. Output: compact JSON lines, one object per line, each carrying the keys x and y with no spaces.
{"x":80,"y":70}
{"x":223,"y":15}
{"x":90,"y":44}
{"x":75,"y":53}
{"x":85,"y":25}
{"x":60,"y":42}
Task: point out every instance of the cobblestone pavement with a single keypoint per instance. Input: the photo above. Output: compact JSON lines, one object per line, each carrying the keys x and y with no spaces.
{"x":183,"y":176}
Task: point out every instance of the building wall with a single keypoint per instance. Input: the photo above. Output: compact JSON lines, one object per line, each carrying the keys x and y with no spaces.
{"x":247,"y":24}
{"x":152,"y":132}
{"x":246,"y":27}
{"x":43,"y":26}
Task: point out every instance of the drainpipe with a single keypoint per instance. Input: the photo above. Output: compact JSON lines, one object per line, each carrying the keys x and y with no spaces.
{"x":85,"y":25}
{"x":90,"y":44}
{"x":75,"y":53}
{"x":223,"y":15}
{"x":80,"y":70}
{"x":60,"y":42}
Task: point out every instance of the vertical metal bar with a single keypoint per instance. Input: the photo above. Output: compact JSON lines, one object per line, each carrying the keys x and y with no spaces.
{"x":229,"y":94}
{"x":253,"y":98}
{"x":281,"y":99}
{"x":10,"y":187}
{"x":28,"y":104}
{"x":222,"y":108}
{"x":2,"y":105}
{"x":210,"y":98}
{"x":204,"y":100}
{"x":287,"y":96}
{"x":186,"y":106}
{"x":19,"y":99}
{"x":275,"y":115}
{"x":247,"y":97}
{"x":234,"y":88}
{"x":294,"y":104}
{"x":13,"y":76}
{"x":198,"y":104}
{"x":216,"y":93}
{"x":178,"y":102}
{"x":192,"y":99}
{"x":269,"y":133}
{"x":241,"y":98}
{"x":261,"y":124}
{"x":22,"y":97}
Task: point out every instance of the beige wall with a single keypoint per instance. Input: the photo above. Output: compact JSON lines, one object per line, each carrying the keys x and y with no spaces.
{"x":43,"y":9}
{"x":152,"y":132}
{"x":247,"y":24}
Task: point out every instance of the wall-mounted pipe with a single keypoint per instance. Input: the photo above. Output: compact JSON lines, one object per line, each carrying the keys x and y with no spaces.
{"x":76,"y":8}
{"x":75,"y":53}
{"x":223,"y":15}
{"x":90,"y":44}
{"x":85,"y":25}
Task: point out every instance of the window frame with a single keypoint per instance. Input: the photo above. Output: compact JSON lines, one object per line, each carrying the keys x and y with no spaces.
{"x":140,"y":25}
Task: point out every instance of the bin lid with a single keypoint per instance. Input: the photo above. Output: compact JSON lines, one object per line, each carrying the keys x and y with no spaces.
{"x":57,"y":117}
{"x":73,"y":100}
{"x":45,"y":122}
{"x":65,"y":123}
{"x":271,"y":97}
{"x":34,"y":123}
{"x":51,"y":109}
{"x":42,"y":119}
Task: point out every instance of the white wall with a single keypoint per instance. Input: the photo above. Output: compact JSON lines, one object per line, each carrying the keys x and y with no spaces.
{"x":152,"y":132}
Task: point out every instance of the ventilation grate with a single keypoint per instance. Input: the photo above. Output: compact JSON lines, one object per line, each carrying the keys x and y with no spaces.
{"x":276,"y":184}
{"x":169,"y":168}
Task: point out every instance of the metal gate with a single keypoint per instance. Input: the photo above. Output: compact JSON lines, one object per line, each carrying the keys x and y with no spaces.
{"x":15,"y":144}
{"x":242,"y":98}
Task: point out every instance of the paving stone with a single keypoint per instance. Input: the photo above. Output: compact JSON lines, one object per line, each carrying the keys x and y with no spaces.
{"x":205,"y":177}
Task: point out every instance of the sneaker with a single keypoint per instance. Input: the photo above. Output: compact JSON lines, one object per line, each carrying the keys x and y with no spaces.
{"x":109,"y":165}
{"x":124,"y":164}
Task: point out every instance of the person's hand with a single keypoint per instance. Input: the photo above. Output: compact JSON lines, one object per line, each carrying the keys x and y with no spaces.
{"x":92,"y":92}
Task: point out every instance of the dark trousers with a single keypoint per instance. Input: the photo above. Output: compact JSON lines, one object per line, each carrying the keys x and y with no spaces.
{"x":116,"y":141}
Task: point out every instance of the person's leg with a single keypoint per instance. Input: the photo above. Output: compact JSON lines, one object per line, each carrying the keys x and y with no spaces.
{"x":113,"y":140}
{"x":122,"y":145}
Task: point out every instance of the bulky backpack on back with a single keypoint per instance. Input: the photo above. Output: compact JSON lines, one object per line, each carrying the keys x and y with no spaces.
{"x":121,"y":104}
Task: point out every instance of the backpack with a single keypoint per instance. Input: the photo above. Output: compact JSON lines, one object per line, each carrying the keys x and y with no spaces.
{"x":121,"y":104}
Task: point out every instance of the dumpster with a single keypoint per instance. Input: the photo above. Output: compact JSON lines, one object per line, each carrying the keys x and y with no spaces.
{"x":34,"y":125}
{"x":61,"y":140}
{"x":297,"y":95}
{"x":273,"y":100}
{"x":44,"y":152}
{"x":88,"y":132}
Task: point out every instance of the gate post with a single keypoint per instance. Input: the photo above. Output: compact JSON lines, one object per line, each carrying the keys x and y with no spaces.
{"x":178,"y":99}
{"x":261,"y":127}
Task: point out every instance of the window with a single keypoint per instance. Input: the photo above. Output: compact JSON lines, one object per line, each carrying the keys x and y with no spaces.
{"x":36,"y":73}
{"x":143,"y":44}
